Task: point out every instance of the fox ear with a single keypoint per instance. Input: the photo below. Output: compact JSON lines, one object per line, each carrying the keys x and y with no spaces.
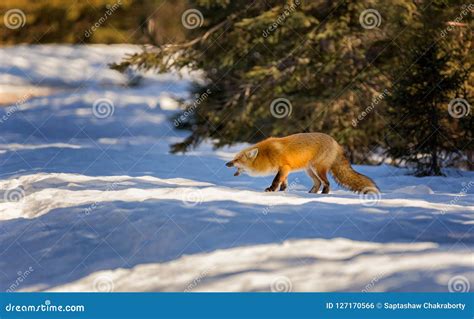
{"x":252,"y":153}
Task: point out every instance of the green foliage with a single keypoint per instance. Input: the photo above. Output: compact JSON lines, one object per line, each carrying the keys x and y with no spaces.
{"x":424,"y":129}
{"x":316,"y":54}
{"x":92,"y":21}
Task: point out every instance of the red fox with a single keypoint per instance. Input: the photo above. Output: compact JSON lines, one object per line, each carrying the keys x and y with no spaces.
{"x":316,"y":153}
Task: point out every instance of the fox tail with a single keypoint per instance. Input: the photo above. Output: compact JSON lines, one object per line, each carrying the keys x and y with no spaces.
{"x":346,"y":176}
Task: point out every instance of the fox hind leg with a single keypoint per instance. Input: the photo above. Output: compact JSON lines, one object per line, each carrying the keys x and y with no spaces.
{"x":322,"y":174}
{"x":316,"y":181}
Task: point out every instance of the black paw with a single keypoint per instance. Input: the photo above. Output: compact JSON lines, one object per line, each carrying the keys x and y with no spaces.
{"x":269,"y":189}
{"x":314,"y":190}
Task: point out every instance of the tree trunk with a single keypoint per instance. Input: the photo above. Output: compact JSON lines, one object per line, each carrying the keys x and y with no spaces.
{"x":434,"y":169}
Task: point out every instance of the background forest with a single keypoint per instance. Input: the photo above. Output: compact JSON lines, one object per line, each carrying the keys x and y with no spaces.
{"x":393,"y":82}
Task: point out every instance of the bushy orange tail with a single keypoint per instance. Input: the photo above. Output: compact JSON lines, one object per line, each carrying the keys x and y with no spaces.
{"x":344,"y":174}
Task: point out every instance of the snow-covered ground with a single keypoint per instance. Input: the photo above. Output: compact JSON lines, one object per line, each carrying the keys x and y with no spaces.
{"x":91,"y":200}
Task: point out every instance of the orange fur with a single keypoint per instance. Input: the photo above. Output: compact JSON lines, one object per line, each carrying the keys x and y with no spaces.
{"x":316,"y":153}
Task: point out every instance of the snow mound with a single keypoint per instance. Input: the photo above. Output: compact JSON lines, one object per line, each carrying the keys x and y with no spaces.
{"x":303,"y":265}
{"x":417,"y":189}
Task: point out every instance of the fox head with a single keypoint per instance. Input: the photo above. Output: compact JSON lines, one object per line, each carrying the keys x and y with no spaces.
{"x":244,"y":161}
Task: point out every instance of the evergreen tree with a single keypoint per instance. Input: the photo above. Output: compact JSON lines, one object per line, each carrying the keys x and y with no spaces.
{"x":262,"y":60}
{"x":278,"y":67}
{"x":425,"y":128}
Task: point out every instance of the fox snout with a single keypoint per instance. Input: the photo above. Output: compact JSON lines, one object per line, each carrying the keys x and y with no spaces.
{"x":229,"y":164}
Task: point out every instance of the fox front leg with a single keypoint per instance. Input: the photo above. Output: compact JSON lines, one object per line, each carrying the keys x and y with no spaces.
{"x":284,"y":185}
{"x":280,"y":179}
{"x":275,"y":184}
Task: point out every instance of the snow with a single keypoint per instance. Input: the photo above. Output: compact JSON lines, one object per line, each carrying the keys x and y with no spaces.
{"x":253,"y":268}
{"x":99,"y":204}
